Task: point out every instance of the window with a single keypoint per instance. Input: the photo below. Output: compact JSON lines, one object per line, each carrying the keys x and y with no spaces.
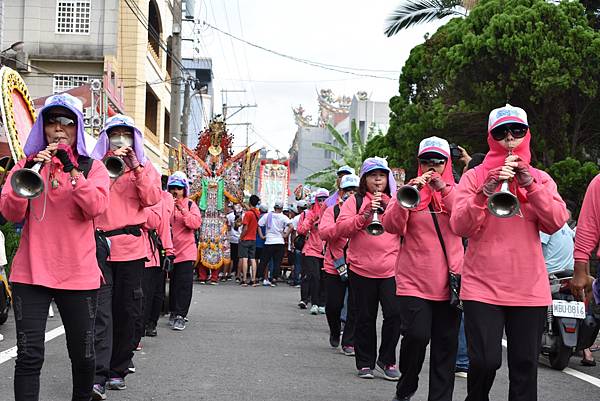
{"x":63,"y":83}
{"x":73,"y":16}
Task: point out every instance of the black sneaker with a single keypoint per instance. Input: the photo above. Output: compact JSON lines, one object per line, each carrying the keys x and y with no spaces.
{"x":302,"y":305}
{"x":151,"y":332}
{"x":179,"y":323}
{"x":334,"y":341}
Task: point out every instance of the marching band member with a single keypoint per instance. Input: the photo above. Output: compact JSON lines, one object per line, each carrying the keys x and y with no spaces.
{"x":504,"y":281}
{"x":429,"y":250}
{"x":341,"y":172}
{"x":335,"y":270}
{"x":136,"y":188}
{"x":56,"y":258}
{"x":372,"y":275}
{"x":312,"y":255}
{"x":184,"y":221}
{"x":161,"y":256}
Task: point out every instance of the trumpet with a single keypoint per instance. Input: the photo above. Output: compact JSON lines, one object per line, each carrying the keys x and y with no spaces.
{"x":408,"y":196}
{"x":27,"y":182}
{"x":115,"y":166}
{"x":375,"y":227}
{"x":503,"y":203}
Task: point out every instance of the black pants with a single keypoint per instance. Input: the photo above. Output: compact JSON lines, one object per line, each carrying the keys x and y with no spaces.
{"x":153,"y":284}
{"x":311,"y":279}
{"x":103,"y":339}
{"x":77,"y":311}
{"x":424,"y":321}
{"x":336,"y":292}
{"x":523,"y":325}
{"x":274,"y":252}
{"x":126,"y":310}
{"x":368,"y":294}
{"x":181,"y":286}
{"x":322,"y":287}
{"x":233,"y":250}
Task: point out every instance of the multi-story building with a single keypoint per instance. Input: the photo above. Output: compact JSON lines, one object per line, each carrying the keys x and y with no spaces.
{"x":371,"y":117}
{"x":124,"y":43}
{"x":201,"y":95}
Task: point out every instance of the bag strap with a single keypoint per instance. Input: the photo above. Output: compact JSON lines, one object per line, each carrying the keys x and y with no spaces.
{"x":439,"y":233}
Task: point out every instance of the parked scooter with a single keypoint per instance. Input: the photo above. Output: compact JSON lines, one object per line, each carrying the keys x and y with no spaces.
{"x":568,"y":327}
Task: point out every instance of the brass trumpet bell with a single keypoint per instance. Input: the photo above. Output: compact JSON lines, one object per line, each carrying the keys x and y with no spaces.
{"x":503,"y":203}
{"x":115,"y":166}
{"x":27,"y":182}
{"x":375,"y":227}
{"x":408,"y":196}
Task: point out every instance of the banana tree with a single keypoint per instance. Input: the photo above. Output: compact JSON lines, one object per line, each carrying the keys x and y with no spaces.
{"x":349,"y":154}
{"x":413,"y":12}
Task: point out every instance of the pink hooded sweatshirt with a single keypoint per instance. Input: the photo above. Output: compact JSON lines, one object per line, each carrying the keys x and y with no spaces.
{"x":60,"y":250}
{"x":129,"y":195}
{"x":368,"y":256}
{"x":421,"y":267}
{"x":504,"y":264}
{"x":309,"y":225}
{"x":183,"y":224}
{"x":158,"y":217}
{"x":587,"y":234}
{"x":335,"y":243}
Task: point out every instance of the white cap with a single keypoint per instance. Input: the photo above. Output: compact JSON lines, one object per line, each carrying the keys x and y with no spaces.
{"x":346,"y":169}
{"x":434,"y":144}
{"x":294,"y":208}
{"x":278,"y":205}
{"x":302,"y":204}
{"x":505,"y":115}
{"x":263,"y":208}
{"x":321,"y":193}
{"x":349,"y":181}
{"x":67,"y":99}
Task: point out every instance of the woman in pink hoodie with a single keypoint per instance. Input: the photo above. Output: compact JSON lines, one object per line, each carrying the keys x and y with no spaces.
{"x":335,"y":269}
{"x":56,"y":258}
{"x":422,"y":274}
{"x":120,"y":299}
{"x":371,"y":262}
{"x":504,"y":281}
{"x":185,"y":220}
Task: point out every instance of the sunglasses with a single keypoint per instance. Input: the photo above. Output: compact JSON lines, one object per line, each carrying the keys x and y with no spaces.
{"x":62,"y":120}
{"x":321,"y":199}
{"x":517,"y":131}
{"x":170,"y":188}
{"x":432,"y":162}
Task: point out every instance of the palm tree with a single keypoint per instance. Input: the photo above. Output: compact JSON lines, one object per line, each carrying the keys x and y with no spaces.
{"x":351,"y":155}
{"x":413,"y":12}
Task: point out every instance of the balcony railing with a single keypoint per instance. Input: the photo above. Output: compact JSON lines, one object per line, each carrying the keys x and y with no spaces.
{"x":154,"y":53}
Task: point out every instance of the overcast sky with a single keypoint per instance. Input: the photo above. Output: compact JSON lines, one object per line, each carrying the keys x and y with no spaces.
{"x":346,"y":33}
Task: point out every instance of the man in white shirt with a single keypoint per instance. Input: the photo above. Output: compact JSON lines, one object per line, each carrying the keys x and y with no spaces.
{"x":234,"y":226}
{"x":277,"y":226}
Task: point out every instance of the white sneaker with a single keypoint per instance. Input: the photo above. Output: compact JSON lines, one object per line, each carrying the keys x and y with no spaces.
{"x":314,"y":310}
{"x":266,"y":283}
{"x":322,"y":310}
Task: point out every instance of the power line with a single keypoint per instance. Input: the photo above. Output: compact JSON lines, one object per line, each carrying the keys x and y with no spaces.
{"x":329,"y":67}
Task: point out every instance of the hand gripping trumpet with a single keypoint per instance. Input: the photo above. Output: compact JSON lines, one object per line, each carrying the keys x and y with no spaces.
{"x":408,"y":195}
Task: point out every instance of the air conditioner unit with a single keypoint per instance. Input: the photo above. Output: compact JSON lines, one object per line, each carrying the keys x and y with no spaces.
{"x":96,"y":84}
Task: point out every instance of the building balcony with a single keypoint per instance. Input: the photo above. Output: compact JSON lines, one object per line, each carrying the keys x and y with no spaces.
{"x":154,"y":53}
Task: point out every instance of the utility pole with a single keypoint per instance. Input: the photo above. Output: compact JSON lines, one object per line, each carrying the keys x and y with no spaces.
{"x":175,"y":120}
{"x":185,"y":120}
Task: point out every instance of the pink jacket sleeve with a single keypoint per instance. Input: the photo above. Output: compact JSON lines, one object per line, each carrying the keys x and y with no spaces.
{"x":549,"y":207}
{"x":192,"y":218}
{"x":349,"y":222}
{"x":469,"y":206}
{"x":148,"y":185}
{"x":395,"y":217}
{"x":306,"y":224}
{"x":588,"y":226}
{"x":153,"y":216}
{"x":91,"y":193}
{"x":13,"y":208}
{"x":327,"y":226}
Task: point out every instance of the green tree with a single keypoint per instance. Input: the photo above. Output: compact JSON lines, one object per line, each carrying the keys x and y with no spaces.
{"x":349,"y":154}
{"x":572,"y":178}
{"x":11,"y":242}
{"x":541,"y":56}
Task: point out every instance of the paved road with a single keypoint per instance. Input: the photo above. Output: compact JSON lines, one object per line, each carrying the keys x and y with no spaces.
{"x":253,"y":344}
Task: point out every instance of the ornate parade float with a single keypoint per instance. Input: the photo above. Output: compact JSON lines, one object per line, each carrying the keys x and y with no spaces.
{"x":216,"y":177}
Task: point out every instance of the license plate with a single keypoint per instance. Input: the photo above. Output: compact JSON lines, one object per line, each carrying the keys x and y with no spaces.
{"x":573,"y":309}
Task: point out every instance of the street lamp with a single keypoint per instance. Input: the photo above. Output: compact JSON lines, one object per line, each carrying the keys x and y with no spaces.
{"x":17,"y":47}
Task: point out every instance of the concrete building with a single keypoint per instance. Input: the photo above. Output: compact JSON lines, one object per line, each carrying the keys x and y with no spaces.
{"x":371,"y":117}
{"x":201,"y":98}
{"x":72,"y":42}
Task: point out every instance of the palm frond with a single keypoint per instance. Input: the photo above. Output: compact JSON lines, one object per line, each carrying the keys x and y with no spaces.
{"x":357,"y":141}
{"x":318,"y":174}
{"x":329,"y":147}
{"x":410,"y":13}
{"x":337,"y":136}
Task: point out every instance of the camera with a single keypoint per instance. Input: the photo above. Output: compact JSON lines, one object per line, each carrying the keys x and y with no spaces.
{"x":455,"y":152}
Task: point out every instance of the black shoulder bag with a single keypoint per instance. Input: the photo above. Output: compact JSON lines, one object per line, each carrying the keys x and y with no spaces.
{"x":300,"y":240}
{"x":453,"y":278}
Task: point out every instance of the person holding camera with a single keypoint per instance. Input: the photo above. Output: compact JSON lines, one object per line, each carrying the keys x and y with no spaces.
{"x":335,"y":270}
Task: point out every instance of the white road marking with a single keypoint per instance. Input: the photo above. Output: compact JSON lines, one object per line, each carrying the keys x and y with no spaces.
{"x":572,"y":372}
{"x":11,"y":353}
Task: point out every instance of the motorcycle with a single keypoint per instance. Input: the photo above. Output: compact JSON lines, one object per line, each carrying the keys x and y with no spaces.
{"x":569,"y":328}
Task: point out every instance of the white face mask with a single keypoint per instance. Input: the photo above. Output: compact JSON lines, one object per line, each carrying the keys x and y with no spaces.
{"x":119,"y":141}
